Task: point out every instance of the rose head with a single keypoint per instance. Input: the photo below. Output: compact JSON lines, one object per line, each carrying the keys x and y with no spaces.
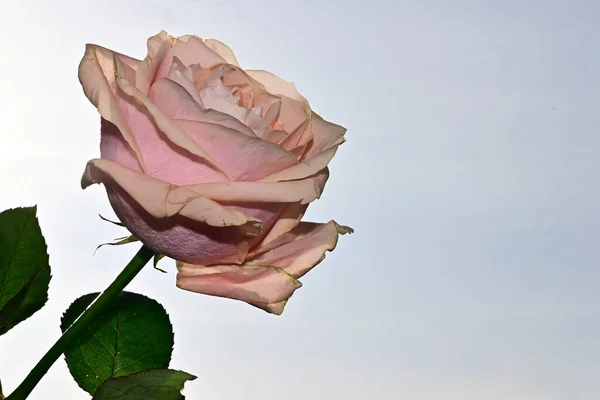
{"x":212,"y":166}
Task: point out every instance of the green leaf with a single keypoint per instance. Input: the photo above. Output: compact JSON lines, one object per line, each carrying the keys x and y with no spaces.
{"x":9,"y":313}
{"x":133,"y":334}
{"x":24,"y":267}
{"x":157,"y":384}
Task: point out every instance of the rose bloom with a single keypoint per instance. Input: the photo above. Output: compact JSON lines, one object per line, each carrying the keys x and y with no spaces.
{"x":212,"y":166}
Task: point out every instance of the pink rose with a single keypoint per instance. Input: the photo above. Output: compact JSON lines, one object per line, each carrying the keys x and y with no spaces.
{"x":212,"y":166}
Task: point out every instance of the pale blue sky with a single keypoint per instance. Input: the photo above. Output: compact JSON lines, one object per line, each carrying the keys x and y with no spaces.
{"x":470,"y":174}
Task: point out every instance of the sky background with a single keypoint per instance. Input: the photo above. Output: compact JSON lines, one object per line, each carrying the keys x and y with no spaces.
{"x":470,"y":174}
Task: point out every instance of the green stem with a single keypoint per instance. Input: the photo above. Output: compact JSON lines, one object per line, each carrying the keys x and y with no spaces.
{"x":129,"y":272}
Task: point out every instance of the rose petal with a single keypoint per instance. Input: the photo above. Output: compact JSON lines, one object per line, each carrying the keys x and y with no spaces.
{"x":255,"y":284}
{"x":326,"y":135}
{"x":272,"y":112}
{"x":303,"y":169}
{"x":270,"y":278}
{"x":161,"y":199}
{"x":200,"y":76}
{"x":243,"y":158}
{"x":298,"y":152}
{"x":303,"y":191}
{"x":223,"y":50}
{"x":163,"y":159}
{"x":294,"y":117}
{"x":175,"y":135}
{"x":276,"y":136}
{"x":190,"y":50}
{"x":293,"y":111}
{"x":97,"y":77}
{"x":176,"y":103}
{"x":287,"y":220}
{"x":271,"y":308}
{"x":184,"y":239}
{"x":158,"y":47}
{"x":113,"y":146}
{"x":213,"y":97}
{"x":229,"y":89}
{"x":301,"y":230}
{"x":251,"y":92}
{"x":177,"y":75}
{"x":276,"y":85}
{"x":218,"y":96}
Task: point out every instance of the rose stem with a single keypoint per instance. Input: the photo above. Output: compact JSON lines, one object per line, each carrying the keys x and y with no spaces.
{"x":125,"y":277}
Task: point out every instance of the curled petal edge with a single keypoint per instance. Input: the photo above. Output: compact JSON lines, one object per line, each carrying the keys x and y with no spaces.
{"x":303,"y":169}
{"x":303,"y":191}
{"x":276,"y":85}
{"x":223,"y":50}
{"x":270,"y":278}
{"x":97,"y":89}
{"x":162,"y":199}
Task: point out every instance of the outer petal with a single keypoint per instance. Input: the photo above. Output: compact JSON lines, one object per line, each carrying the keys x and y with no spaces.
{"x":164,"y":160}
{"x":223,"y":50}
{"x":303,"y":169}
{"x":96,"y":74}
{"x":272,"y":308}
{"x":326,"y":135}
{"x":276,"y":85}
{"x":303,"y":191}
{"x":158,"y":48}
{"x":113,"y":146}
{"x":294,"y":117}
{"x":168,"y":218}
{"x":162,"y":200}
{"x":271,"y":277}
{"x":326,"y":139}
{"x":243,"y":158}
{"x":288,"y":219}
{"x":173,"y":133}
